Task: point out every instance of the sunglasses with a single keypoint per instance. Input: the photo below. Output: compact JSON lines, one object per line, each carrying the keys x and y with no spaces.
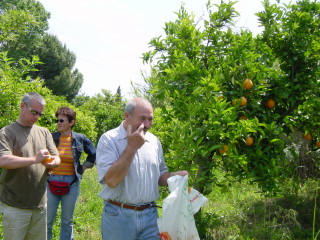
{"x":59,"y":121}
{"x":34,"y":112}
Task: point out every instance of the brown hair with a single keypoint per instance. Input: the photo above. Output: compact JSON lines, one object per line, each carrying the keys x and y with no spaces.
{"x":68,"y":112}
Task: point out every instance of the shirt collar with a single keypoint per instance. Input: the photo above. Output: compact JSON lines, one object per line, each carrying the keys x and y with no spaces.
{"x":122,"y":131}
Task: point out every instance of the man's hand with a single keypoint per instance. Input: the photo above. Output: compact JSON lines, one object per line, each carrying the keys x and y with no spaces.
{"x":163,"y":180}
{"x":51,"y":164}
{"x":41,"y":155}
{"x":119,"y":169}
{"x":137,"y":138}
{"x":181,"y":173}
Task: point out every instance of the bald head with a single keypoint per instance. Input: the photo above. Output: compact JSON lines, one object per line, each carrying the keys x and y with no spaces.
{"x":138,"y":111}
{"x":133,"y":103}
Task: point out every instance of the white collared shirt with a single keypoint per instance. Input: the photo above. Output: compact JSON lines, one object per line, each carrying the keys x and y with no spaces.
{"x":141,"y":183}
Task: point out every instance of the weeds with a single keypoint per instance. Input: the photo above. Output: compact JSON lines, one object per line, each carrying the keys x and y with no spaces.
{"x":315,"y":237}
{"x":239,"y":212}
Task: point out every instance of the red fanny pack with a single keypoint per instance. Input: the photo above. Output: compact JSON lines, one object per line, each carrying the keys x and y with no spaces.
{"x":60,"y":188}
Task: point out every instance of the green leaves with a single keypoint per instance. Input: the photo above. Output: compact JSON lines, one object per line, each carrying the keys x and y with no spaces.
{"x":22,"y":26}
{"x":15,"y":81}
{"x":57,"y":67}
{"x":199,"y":71}
{"x":107,"y":110}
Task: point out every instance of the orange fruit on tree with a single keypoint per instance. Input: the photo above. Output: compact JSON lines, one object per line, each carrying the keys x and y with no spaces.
{"x":308,"y":136}
{"x":247,"y":83}
{"x":243,"y":117}
{"x":224,"y":150}
{"x":243,"y":101}
{"x":318,"y":143}
{"x":249,"y":141}
{"x":270,"y":103}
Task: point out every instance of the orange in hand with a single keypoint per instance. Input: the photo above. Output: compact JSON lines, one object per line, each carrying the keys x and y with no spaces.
{"x":47,"y":160}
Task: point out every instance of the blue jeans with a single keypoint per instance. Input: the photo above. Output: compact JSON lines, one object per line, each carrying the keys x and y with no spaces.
{"x":68,"y":203}
{"x":120,"y":223}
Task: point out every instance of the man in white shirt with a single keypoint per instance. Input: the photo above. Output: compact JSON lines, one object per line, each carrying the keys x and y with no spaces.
{"x":131,"y":167}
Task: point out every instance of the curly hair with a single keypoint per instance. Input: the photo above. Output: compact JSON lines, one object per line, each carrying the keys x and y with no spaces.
{"x":68,"y":112}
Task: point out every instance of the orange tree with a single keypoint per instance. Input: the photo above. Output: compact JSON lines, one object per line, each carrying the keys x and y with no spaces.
{"x":198,"y":71}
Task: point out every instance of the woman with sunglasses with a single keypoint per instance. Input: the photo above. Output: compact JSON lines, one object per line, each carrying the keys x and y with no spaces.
{"x":70,"y":145}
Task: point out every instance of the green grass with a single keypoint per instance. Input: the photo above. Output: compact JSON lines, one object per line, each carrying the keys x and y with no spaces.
{"x":87,"y":220}
{"x":241,"y":212}
{"x":238,"y":212}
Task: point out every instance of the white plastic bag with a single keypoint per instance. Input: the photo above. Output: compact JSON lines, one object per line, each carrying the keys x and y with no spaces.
{"x":177,"y":222}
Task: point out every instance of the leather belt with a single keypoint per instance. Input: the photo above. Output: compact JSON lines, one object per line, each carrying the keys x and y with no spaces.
{"x":137,"y":208}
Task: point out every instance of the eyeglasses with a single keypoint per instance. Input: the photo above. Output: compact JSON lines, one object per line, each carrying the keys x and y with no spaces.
{"x":59,"y":121}
{"x":34,"y":112}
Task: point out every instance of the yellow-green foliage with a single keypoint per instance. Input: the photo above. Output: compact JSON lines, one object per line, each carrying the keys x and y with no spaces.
{"x":14,"y":84}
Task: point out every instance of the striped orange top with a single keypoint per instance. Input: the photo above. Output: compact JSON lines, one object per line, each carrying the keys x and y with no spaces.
{"x":66,"y":166}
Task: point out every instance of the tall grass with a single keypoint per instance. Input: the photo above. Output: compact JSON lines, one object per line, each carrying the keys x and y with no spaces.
{"x":87,"y":219}
{"x":242,"y":212}
{"x":237,"y":212}
{"x":314,"y":237}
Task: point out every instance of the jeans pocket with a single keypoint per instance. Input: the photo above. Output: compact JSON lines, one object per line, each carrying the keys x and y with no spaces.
{"x":111,"y":209}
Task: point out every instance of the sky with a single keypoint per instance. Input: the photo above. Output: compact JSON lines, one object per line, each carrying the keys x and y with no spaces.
{"x":109,"y":37}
